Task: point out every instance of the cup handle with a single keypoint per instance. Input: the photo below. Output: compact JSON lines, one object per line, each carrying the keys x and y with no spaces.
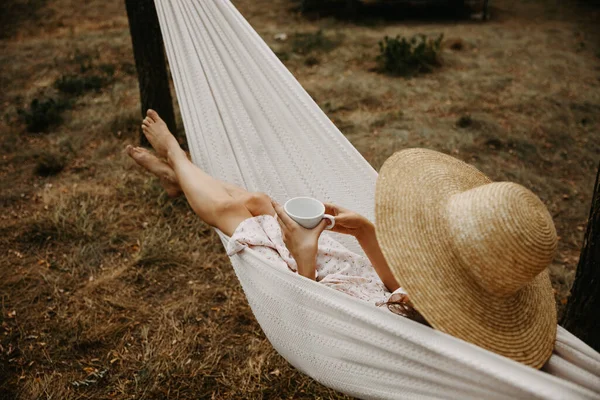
{"x":331,"y":219}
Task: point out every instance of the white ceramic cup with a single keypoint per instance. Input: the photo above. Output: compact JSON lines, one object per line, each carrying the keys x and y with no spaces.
{"x":308,"y":212}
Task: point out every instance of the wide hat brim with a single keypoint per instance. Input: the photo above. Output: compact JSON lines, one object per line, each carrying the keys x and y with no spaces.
{"x":413,"y":189}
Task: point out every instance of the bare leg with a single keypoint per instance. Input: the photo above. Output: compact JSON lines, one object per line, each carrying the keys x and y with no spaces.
{"x":167,"y":176}
{"x":219,"y":204}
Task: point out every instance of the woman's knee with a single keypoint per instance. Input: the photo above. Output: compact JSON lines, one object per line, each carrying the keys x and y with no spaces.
{"x":258,"y":203}
{"x":229,"y":206}
{"x":246,"y":206}
{"x":226,"y":214}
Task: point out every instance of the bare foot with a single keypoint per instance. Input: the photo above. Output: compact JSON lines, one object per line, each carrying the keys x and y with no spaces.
{"x":150,"y":162}
{"x":158,"y":134}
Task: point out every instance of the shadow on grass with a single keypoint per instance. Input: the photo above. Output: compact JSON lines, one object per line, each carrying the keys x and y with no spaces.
{"x":15,"y":12}
{"x":374,"y":13}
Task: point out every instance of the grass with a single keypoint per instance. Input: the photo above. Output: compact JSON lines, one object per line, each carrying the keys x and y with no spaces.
{"x":307,"y":43}
{"x":308,"y":47}
{"x":125,"y":124}
{"x":112,"y":290}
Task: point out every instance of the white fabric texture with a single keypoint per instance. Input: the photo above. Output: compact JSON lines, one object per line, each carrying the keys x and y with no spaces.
{"x":249,"y":122}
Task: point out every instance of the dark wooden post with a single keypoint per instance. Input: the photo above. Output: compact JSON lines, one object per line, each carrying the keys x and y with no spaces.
{"x":148,"y":50}
{"x":582,"y":317}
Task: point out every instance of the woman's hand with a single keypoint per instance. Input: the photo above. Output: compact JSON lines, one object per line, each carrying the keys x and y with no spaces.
{"x":354,"y":224}
{"x":348,"y":222}
{"x":301,"y":242}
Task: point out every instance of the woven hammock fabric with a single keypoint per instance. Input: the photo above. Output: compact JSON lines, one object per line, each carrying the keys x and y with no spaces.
{"x":249,"y":122}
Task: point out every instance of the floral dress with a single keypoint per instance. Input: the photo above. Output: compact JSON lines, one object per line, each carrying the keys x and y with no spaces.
{"x":337,"y":267}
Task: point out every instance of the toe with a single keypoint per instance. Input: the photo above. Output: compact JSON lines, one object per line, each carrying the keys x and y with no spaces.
{"x":149,"y":113}
{"x":153,"y":115}
{"x":142,"y":150}
{"x":152,"y":163}
{"x":136,"y":156}
{"x":141,"y":157}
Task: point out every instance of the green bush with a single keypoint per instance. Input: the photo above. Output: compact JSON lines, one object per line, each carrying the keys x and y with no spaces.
{"x":464,"y":121}
{"x":77,"y":85}
{"x":88,"y":76}
{"x":50,"y":163}
{"x":406,"y":57}
{"x":43,"y":114}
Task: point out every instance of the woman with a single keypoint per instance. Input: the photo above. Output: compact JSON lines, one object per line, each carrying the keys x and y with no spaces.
{"x":471,"y":253}
{"x":253,"y":219}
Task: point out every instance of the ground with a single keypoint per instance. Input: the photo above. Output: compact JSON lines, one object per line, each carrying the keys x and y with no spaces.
{"x":109,"y":289}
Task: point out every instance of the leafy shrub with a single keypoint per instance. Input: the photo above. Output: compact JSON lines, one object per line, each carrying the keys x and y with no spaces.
{"x":43,"y":114}
{"x":311,"y":60}
{"x":87,"y":77}
{"x":407,"y":57}
{"x":46,"y":112}
{"x":50,"y":163}
{"x":77,"y":85}
{"x":464,"y":121}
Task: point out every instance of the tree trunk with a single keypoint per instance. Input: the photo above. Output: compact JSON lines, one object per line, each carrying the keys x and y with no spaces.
{"x":352,"y":9}
{"x":582,"y":316}
{"x":150,"y":62}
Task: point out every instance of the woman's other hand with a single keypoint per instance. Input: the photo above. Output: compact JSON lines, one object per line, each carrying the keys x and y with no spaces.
{"x":354,"y":224}
{"x":301,"y":242}
{"x":348,"y":222}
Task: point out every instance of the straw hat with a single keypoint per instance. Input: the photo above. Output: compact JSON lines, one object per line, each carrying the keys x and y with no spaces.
{"x":471,"y":254}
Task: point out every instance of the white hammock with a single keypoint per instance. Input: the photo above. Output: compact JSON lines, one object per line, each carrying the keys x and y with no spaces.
{"x":249,"y":122}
